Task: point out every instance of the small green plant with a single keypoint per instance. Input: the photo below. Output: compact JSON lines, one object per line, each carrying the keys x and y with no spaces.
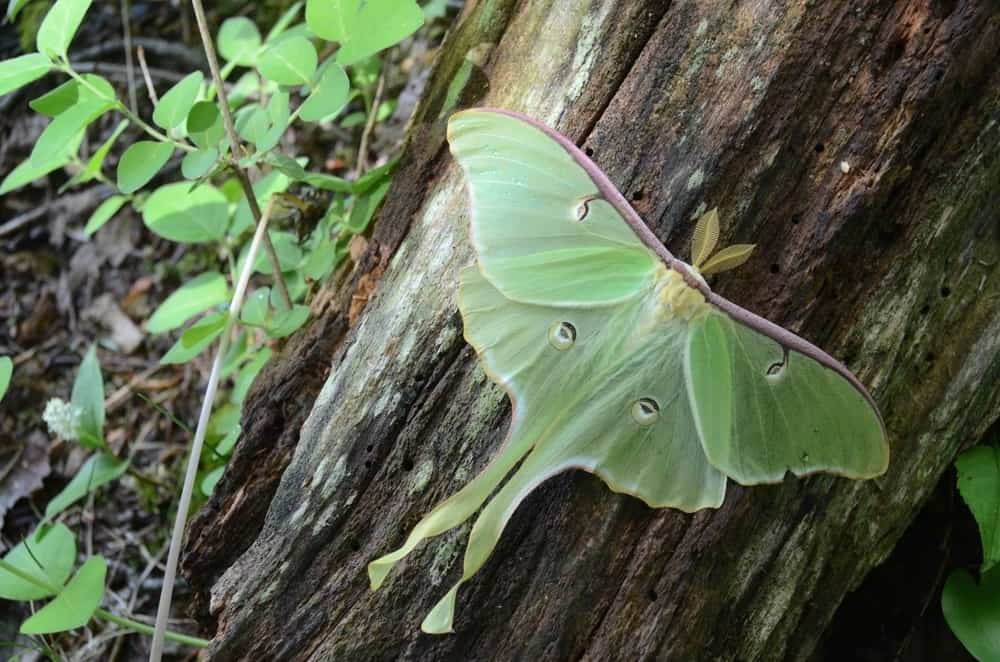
{"x":41,"y":567}
{"x":972,"y":609}
{"x":226,"y":129}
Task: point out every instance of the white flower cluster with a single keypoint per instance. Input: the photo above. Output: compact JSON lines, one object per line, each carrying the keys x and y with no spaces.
{"x":62,"y":418}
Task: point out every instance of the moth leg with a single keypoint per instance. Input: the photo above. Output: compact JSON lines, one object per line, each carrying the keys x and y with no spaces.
{"x":486,"y":532}
{"x":458,"y":507}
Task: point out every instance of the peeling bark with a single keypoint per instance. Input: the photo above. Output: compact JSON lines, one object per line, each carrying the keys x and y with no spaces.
{"x":892,"y":266}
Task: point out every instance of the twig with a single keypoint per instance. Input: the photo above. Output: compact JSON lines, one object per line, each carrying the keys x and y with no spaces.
{"x":362,"y":164}
{"x":234,"y":140}
{"x":146,"y":77}
{"x":133,"y":101}
{"x":170,"y":574}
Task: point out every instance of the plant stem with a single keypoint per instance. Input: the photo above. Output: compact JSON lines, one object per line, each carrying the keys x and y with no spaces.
{"x":163,"y":611}
{"x":124,"y":110}
{"x":237,"y":148}
{"x":135,"y":626}
{"x":142,"y":628}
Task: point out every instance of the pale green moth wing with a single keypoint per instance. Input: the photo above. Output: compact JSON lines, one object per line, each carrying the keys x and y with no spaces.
{"x":771,"y":404}
{"x":599,"y":389}
{"x":617,"y":357}
{"x":543,"y":230}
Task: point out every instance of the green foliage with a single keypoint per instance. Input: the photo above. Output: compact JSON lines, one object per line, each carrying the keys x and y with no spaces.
{"x":280,"y":81}
{"x":75,"y":604}
{"x":59,"y":27}
{"x":22,"y":70}
{"x":104,"y":213}
{"x":363,"y":27}
{"x":290,"y":61}
{"x":979,"y":485}
{"x":173,"y":109}
{"x":182,"y":214}
{"x":973,"y":610}
{"x":196,"y":296}
{"x":48,"y":554}
{"x":88,"y":399}
{"x":100,"y":469}
{"x":6,"y":369}
{"x":140,"y":163}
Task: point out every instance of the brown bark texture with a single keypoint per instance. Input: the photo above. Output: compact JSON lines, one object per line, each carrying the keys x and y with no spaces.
{"x":857,"y":143}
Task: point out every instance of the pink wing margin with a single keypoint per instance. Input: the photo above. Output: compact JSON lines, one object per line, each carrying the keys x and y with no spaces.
{"x":788,"y":340}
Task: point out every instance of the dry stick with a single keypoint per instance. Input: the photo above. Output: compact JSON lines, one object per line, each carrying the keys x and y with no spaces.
{"x":362,"y":164}
{"x":170,"y":574}
{"x":147,"y":77}
{"x":241,"y":175}
{"x":133,"y":102}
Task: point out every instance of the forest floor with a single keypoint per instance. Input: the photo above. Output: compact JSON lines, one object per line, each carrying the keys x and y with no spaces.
{"x":60,"y":292}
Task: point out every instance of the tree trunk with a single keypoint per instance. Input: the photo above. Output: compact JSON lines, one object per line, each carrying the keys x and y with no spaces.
{"x":856,"y":143}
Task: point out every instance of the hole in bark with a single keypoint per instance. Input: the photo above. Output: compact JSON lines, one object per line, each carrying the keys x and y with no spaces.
{"x":796,"y":219}
{"x":818,"y":148}
{"x":407,"y":464}
{"x":775,"y":268}
{"x":652,"y":595}
{"x":926,"y":309}
{"x":368,"y":448}
{"x":638,"y":195}
{"x":354,"y":545}
{"x":894,"y":51}
{"x":588,"y":151}
{"x":945,"y":292}
{"x":929,"y":357}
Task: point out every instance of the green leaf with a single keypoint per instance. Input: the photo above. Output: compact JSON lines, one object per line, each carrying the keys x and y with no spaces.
{"x":98,"y":470}
{"x":59,"y":26}
{"x":104,"y":212}
{"x":61,"y":130}
{"x":287,"y":248}
{"x":180,"y":214}
{"x":56,"y":100}
{"x":277,"y":112}
{"x":329,"y":96}
{"x":197,"y":164}
{"x":196,"y":296}
{"x":364,"y":208}
{"x":173,"y":108}
{"x":32,"y":169}
{"x":256,"y":307}
{"x":141,"y":162}
{"x":22,"y":70}
{"x":14,"y":7}
{"x":354,"y":119}
{"x":75,"y":604}
{"x":239,"y":40}
{"x":6,"y":370}
{"x":973,"y":612}
{"x":96,"y":161}
{"x":48,"y":554}
{"x":88,"y":397}
{"x":363,"y":27}
{"x":294,"y":170}
{"x":204,"y":124}
{"x":193,"y":341}
{"x":225,"y":447}
{"x":374,"y":178}
{"x":288,"y":322}
{"x":291,"y":61}
{"x":248,"y":373}
{"x":979,"y":485}
{"x":210,"y":480}
{"x":286,"y":19}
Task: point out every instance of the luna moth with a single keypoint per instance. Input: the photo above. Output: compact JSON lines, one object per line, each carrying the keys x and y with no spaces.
{"x":617,"y":356}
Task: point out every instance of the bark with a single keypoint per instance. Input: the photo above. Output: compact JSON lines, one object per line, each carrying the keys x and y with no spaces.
{"x":890,"y":262}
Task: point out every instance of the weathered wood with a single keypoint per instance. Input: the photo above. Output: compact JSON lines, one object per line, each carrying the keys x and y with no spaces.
{"x":754,"y":107}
